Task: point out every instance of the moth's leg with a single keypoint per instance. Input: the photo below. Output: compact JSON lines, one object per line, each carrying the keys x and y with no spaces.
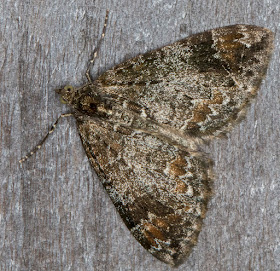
{"x":37,"y":147}
{"x":95,"y":52}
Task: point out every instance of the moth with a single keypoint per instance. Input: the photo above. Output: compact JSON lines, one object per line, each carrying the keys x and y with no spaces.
{"x":142,"y":122}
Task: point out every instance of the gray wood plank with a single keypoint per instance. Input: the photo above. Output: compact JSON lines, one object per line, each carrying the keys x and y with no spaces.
{"x":54,"y":213}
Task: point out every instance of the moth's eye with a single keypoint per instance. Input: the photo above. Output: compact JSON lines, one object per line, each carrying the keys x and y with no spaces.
{"x":93,"y":106}
{"x":68,"y":88}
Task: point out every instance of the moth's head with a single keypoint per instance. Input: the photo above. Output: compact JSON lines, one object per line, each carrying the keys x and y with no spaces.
{"x":67,"y":94}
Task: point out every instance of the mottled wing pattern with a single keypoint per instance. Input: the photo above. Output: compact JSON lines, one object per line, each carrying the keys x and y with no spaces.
{"x":141,"y":122}
{"x":160,"y":190}
{"x":199,"y":85}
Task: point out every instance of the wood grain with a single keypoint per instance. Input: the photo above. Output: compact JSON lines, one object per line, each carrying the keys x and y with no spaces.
{"x":54,"y":213}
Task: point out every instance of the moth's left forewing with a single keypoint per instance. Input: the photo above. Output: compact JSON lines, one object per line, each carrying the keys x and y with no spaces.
{"x":160,"y":191}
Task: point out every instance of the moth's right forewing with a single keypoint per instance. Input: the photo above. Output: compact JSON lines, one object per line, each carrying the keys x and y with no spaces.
{"x":198,"y":86}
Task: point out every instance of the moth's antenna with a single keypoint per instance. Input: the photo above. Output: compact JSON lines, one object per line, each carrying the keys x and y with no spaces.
{"x":38,"y":147}
{"x":95,"y":52}
{"x":91,"y":63}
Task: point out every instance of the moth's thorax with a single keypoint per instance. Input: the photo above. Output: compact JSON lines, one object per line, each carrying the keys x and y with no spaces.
{"x":86,"y":100}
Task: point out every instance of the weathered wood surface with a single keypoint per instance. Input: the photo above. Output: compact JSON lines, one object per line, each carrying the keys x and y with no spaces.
{"x":54,"y":213}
